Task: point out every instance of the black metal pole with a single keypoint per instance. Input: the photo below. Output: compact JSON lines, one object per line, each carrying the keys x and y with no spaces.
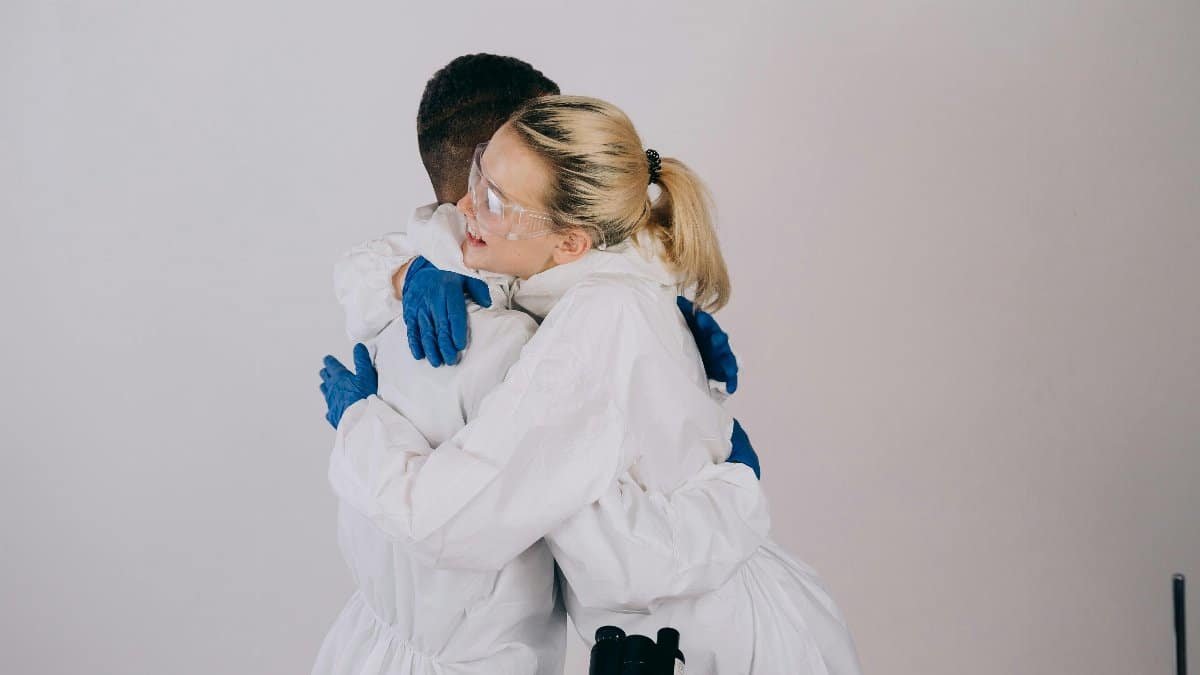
{"x":1180,"y":626}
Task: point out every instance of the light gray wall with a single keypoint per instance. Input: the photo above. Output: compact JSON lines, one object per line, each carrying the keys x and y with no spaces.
{"x":965,"y":240}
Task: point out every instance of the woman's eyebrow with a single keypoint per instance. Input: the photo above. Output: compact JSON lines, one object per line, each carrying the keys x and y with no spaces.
{"x":489,"y":180}
{"x":495,"y":187}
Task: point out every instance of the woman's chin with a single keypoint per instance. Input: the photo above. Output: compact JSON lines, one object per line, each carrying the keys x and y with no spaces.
{"x":473,"y":256}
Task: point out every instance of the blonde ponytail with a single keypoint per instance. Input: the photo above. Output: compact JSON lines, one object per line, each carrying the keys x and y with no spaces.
{"x":600,"y":178}
{"x":682,"y":218}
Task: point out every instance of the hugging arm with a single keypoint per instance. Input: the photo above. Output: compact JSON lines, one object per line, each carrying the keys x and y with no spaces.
{"x":545,"y":443}
{"x":542,"y":458}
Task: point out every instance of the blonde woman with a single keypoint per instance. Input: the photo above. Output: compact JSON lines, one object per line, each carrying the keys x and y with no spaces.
{"x":602,"y":432}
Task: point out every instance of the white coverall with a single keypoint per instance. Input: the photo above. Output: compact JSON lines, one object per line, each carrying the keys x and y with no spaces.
{"x":407,"y":617}
{"x":603,"y":439}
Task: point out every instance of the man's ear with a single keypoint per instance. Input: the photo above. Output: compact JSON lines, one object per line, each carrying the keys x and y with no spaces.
{"x":573,"y":245}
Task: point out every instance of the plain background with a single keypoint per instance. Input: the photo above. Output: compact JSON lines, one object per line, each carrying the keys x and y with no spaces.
{"x":965,"y":243}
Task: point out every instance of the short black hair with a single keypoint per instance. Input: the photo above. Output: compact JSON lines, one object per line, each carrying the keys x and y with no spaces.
{"x":463,"y":105}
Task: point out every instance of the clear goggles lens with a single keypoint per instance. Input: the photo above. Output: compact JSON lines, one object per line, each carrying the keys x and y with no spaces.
{"x":497,"y":216}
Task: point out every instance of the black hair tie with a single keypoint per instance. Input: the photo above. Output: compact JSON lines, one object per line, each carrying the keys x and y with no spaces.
{"x":655,"y":164}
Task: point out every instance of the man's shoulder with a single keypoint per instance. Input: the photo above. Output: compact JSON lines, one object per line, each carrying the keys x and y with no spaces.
{"x":500,"y":326}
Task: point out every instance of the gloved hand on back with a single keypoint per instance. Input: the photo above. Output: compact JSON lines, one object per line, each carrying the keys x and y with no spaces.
{"x":343,"y":388}
{"x":435,"y":310}
{"x":719,"y":362}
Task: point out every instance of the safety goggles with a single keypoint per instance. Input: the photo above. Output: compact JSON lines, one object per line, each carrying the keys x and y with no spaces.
{"x":495,"y":214}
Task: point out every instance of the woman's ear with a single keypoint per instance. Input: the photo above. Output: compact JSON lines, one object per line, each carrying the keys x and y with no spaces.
{"x":572,"y":246}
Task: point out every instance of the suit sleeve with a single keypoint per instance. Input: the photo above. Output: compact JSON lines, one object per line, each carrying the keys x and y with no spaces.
{"x":362,"y":283}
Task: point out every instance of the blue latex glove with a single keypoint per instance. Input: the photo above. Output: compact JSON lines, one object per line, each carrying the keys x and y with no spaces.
{"x":743,"y":452}
{"x":343,"y":388}
{"x":719,"y":362}
{"x":435,"y":311}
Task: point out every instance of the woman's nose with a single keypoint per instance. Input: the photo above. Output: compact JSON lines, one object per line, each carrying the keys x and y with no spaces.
{"x":466,"y":206}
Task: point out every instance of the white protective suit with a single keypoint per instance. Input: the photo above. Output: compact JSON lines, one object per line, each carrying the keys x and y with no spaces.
{"x":605,"y":440}
{"x":407,"y":617}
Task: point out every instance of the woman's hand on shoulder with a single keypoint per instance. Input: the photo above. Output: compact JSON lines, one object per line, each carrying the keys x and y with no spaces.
{"x":435,"y":310}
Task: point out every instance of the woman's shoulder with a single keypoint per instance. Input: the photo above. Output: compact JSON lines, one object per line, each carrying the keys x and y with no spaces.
{"x":602,"y":296}
{"x":608,"y":317}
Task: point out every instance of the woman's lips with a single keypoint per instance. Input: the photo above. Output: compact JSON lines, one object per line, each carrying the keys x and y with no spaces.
{"x":473,"y":240}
